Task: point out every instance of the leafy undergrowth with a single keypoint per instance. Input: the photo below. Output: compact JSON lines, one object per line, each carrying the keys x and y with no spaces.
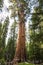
{"x":26,"y":63}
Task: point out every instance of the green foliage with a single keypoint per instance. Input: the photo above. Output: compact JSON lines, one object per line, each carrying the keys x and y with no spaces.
{"x":34,"y":52}
{"x":3,"y":33}
{"x":10,"y":48}
{"x":27,"y":50}
{"x":0,"y":1}
{"x":2,"y":61}
{"x":1,"y":51}
{"x":17,"y":6}
{"x":0,"y":32}
{"x":1,"y":5}
{"x":25,"y":63}
{"x":41,"y":3}
{"x":36,"y":34}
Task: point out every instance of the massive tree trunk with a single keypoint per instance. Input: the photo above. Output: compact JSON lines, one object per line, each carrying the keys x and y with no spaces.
{"x":20,"y":54}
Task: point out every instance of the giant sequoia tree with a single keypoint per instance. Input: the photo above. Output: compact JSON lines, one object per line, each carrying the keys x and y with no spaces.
{"x":20,"y":54}
{"x":21,"y":10}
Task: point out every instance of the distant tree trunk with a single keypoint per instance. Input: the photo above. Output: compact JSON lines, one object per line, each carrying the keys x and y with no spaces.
{"x":20,"y":54}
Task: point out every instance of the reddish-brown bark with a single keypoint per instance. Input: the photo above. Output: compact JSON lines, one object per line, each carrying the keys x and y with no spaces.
{"x":20,"y":54}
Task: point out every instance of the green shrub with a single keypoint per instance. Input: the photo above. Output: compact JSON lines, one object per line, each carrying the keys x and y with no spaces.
{"x":2,"y":62}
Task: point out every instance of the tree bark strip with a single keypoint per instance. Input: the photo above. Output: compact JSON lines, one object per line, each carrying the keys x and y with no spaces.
{"x":20,"y":54}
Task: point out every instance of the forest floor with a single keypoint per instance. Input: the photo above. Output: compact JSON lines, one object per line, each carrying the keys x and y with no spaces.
{"x":28,"y":64}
